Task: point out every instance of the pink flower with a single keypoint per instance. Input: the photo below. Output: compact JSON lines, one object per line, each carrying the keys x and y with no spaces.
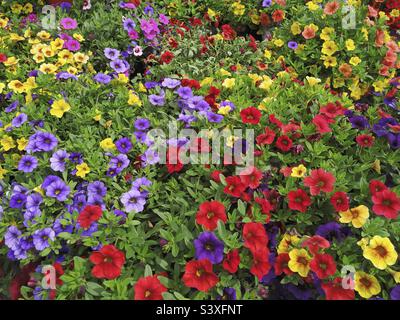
{"x":68,"y":23}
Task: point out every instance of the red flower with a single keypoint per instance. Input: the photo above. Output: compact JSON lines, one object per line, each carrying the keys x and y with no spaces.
{"x":386,"y":203}
{"x":322,"y":123}
{"x":250,"y":115}
{"x":232,"y":261}
{"x":365,"y":140}
{"x":340,"y":201}
{"x":332,"y":110}
{"x":315,"y":243}
{"x":299,"y":200}
{"x":323,"y":265}
{"x":149,"y":288}
{"x":255,"y":237}
{"x":89,"y":215}
{"x":108,"y":262}
{"x":266,"y":207}
{"x":281,"y":264}
{"x":173,"y":161}
{"x":209,"y":213}
{"x":166,"y":57}
{"x":215,"y":175}
{"x":261,"y":265}
{"x":284,"y":143}
{"x":3,"y":57}
{"x":234,"y":186}
{"x":335,"y":291}
{"x":266,"y":138}
{"x":251,"y":177}
{"x":376,"y":186}
{"x":320,"y":180}
{"x":228,"y":32}
{"x":278,"y":15}
{"x":199,"y":275}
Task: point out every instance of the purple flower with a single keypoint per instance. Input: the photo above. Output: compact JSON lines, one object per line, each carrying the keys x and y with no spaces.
{"x":33,"y":201}
{"x":119,"y":163}
{"x":119,"y":66}
{"x":395,"y":293}
{"x":97,"y":188}
{"x":293,"y":45}
{"x":41,"y":238}
{"x":129,"y":24}
{"x":11,"y":237}
{"x":266,"y":3}
{"x":49,"y":180}
{"x":12,"y":106}
{"x":142,"y":124}
{"x":68,"y":23}
{"x":359,"y":122}
{"x":19,"y":120}
{"x":228,"y":294}
{"x":64,"y":75}
{"x":59,"y":190}
{"x":150,"y":28}
{"x":208,"y":246}
{"x":140,"y":184}
{"x":41,"y":141}
{"x":394,"y":140}
{"x":333,"y":230}
{"x":72,"y":45}
{"x":213,"y":117}
{"x":157,"y":100}
{"x":133,"y":201}
{"x":124,"y":145}
{"x":27,"y":163}
{"x":111,"y":53}
{"x":57,"y":161}
{"x":148,"y":10}
{"x":17,"y":200}
{"x":102,"y":78}
{"x":76,"y":157}
{"x":163,"y":19}
{"x":170,"y":83}
{"x":150,"y":157}
{"x":185,"y":92}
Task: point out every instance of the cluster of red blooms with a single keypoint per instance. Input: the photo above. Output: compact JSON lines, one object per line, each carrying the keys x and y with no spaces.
{"x":88,"y":215}
{"x":385,"y":202}
{"x":327,"y":115}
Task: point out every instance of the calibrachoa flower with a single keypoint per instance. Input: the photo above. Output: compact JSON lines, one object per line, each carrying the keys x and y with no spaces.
{"x":299,"y":200}
{"x":133,"y":200}
{"x":210,"y":212}
{"x":366,"y":284}
{"x":231,"y":261}
{"x":199,"y":275}
{"x":356,"y":216}
{"x":386,"y":203}
{"x":41,"y":238}
{"x":108,"y":262}
{"x":320,"y":180}
{"x":27,"y":164}
{"x":299,"y":261}
{"x":208,"y":246}
{"x":149,"y":288}
{"x":89,"y":215}
{"x":323,"y":265}
{"x":381,"y":252}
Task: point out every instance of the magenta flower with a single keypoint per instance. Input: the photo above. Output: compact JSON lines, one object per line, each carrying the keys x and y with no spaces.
{"x":68,"y":23}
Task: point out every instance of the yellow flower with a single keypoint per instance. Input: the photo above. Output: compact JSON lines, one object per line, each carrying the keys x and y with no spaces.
{"x":57,"y":44}
{"x":229,"y":83}
{"x":44,"y":35}
{"x":82,"y":58}
{"x":65,"y":54}
{"x":312,"y":81}
{"x":82,"y":170}
{"x":206,"y":81}
{"x":211,"y":13}
{"x":329,"y":61}
{"x":28,"y":8}
{"x":278,"y":42}
{"x":59,"y":107}
{"x":224,"y":72}
{"x":395,"y":274}
{"x":365,"y":33}
{"x":255,"y":77}
{"x":78,"y":37}
{"x":395,"y":13}
{"x":16,"y":8}
{"x":7,"y":143}
{"x":16,"y":37}
{"x":355,"y":61}
{"x":377,"y":166}
{"x":2,"y":86}
{"x":30,"y":84}
{"x":39,"y":57}
{"x":357,"y":216}
{"x":238,"y":9}
{"x":266,"y":83}
{"x":48,"y":68}
{"x":11,"y":61}
{"x":312,"y":6}
{"x":134,"y":99}
{"x":380,"y":251}
{"x":299,"y":261}
{"x":122,"y":78}
{"x":16,"y":86}
{"x":329,"y":48}
{"x":326,"y":33}
{"x":3,"y":23}
{"x":255,"y":18}
{"x":224,"y":110}
{"x":350,"y":46}
{"x":22,"y":142}
{"x":295,"y":28}
{"x":141,"y":87}
{"x":380,"y":85}
{"x":230,"y":141}
{"x":2,"y":172}
{"x":107,"y":143}
{"x":267,"y":54}
{"x":287,"y":241}
{"x":366,"y":284}
{"x":299,"y":171}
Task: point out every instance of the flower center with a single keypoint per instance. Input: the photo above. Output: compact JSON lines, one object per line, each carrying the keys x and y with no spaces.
{"x":381,"y":251}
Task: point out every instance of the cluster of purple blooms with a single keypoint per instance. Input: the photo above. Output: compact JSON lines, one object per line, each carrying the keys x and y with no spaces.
{"x":135,"y":199}
{"x":117,"y":164}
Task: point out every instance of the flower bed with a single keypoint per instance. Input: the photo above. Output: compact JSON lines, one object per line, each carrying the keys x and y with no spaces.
{"x":102,"y":202}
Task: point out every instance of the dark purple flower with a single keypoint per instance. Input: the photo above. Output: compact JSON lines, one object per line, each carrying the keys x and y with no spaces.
{"x":214,"y":117}
{"x":359,"y":122}
{"x":17,"y":200}
{"x":208,"y":246}
{"x":142,"y":124}
{"x":129,"y":24}
{"x":292,"y":45}
{"x":333,"y":230}
{"x":119,"y":163}
{"x":395,"y":293}
{"x":124,"y":145}
{"x":97,"y":188}
{"x":12,"y":106}
{"x":228,"y":294}
{"x":394,"y":140}
{"x":27,"y":163}
{"x":64,"y":75}
{"x":76,"y":157}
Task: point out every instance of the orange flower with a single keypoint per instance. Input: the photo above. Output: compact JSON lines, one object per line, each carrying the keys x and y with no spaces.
{"x":346,"y":70}
{"x":331,"y":7}
{"x":308,"y":33}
